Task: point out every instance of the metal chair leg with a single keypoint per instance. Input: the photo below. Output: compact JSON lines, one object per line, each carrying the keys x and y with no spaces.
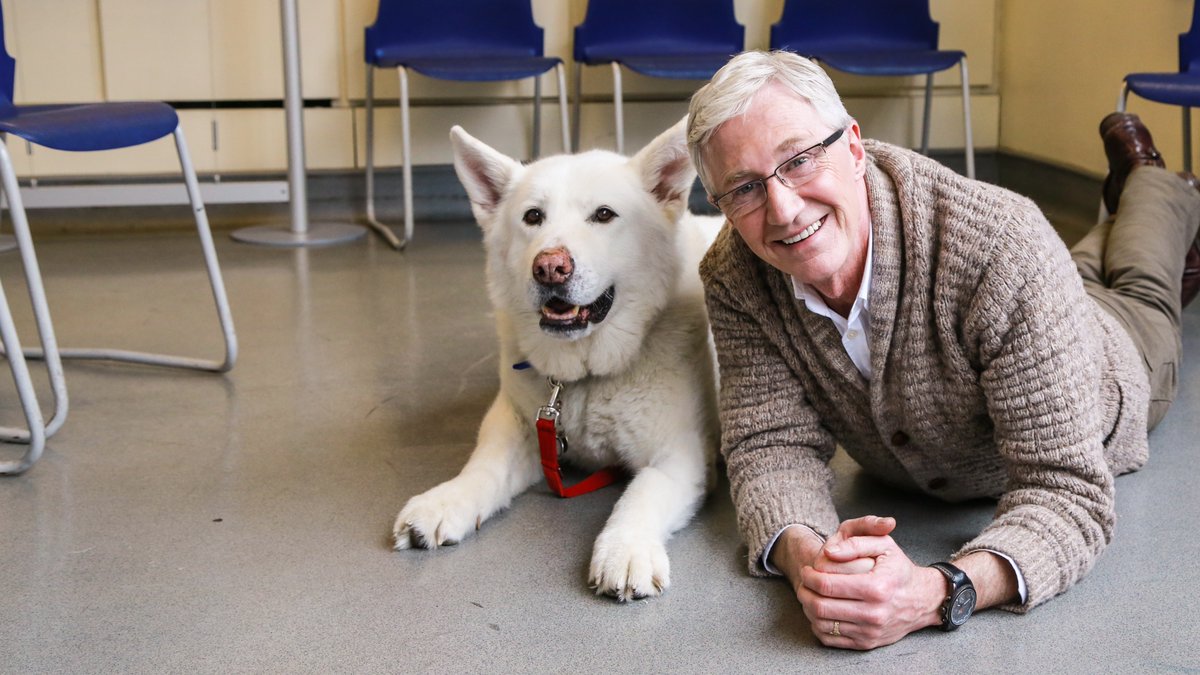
{"x":406,"y":140}
{"x":536,"y":150}
{"x":215,"y":281}
{"x":41,"y":309}
{"x":372,"y":221}
{"x":560,"y":71}
{"x":1187,"y":139}
{"x":618,"y":106}
{"x":35,"y":432}
{"x":970,"y":140}
{"x":575,"y":131}
{"x":927,"y":115}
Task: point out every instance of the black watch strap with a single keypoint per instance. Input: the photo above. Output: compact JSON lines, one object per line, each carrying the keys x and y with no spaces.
{"x":960,"y":599}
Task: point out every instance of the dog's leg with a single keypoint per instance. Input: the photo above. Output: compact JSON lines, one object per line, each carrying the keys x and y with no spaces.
{"x":629,"y":560}
{"x":503,"y":464}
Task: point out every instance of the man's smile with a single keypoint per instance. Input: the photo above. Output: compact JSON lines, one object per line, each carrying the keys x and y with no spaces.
{"x":806,"y":233}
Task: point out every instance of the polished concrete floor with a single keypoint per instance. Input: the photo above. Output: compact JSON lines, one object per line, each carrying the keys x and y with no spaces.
{"x":185,"y":522}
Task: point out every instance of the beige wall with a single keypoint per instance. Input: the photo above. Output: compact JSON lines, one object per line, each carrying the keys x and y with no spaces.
{"x":1060,"y":69}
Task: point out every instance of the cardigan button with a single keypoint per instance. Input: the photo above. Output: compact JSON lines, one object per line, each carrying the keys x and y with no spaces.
{"x":938,"y":483}
{"x":899,"y":438}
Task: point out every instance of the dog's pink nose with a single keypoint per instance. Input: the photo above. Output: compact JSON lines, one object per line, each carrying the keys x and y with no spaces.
{"x":553,"y":266}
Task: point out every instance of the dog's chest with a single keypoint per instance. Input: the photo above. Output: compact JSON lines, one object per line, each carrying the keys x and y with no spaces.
{"x":595,"y":423}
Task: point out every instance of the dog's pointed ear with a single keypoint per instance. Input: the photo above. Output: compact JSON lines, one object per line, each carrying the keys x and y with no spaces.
{"x":485,"y":172}
{"x":666,"y":167}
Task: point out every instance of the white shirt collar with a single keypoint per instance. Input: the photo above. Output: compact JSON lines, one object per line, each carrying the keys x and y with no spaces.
{"x":816,"y":304}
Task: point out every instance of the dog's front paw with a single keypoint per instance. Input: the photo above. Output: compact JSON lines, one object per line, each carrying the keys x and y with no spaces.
{"x":629,"y":566}
{"x":439,"y":517}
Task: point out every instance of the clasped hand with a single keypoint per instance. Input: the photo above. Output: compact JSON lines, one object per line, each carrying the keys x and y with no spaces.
{"x":861,"y":591}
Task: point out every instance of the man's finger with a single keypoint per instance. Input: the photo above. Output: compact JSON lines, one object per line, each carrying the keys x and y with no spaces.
{"x":855,"y":566}
{"x":866,"y":526}
{"x":857,"y":588}
{"x":858,"y":547}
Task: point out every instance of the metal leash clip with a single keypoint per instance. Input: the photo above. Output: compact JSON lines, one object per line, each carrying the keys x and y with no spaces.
{"x":552,"y":410}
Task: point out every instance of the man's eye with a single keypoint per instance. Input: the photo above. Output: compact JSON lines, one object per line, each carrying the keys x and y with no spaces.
{"x":797,"y":162}
{"x":603,"y":215}
{"x":534,"y":217}
{"x":743,"y":190}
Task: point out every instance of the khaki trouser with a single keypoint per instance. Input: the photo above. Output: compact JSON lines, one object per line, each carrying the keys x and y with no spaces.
{"x":1132,"y":265}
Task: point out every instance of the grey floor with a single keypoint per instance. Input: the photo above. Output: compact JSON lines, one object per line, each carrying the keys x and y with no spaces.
{"x":196,"y":523}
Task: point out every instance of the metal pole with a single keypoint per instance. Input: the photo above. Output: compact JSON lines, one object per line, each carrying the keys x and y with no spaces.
{"x":301,"y":233}
{"x":293,"y":105}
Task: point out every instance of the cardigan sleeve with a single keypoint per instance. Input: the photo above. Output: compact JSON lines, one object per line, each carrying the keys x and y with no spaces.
{"x":1040,"y":363}
{"x":775,"y":449}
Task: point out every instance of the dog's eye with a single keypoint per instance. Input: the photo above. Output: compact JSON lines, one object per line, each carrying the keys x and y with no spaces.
{"x":534,"y":217}
{"x":603,"y":215}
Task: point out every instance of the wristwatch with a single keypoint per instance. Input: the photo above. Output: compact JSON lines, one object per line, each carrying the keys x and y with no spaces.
{"x":960,"y":601}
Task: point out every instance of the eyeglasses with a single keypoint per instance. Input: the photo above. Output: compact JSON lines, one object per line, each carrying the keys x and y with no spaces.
{"x":796,"y":171}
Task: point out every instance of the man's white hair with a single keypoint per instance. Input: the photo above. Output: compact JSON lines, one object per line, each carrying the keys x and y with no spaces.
{"x":731,"y":89}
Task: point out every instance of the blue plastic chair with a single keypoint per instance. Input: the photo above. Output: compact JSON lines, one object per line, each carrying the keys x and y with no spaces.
{"x":673,"y":39}
{"x":1181,"y":89}
{"x":876,"y":38}
{"x":83,"y":128}
{"x":465,"y":40}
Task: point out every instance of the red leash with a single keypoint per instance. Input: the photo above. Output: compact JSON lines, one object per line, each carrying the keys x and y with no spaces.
{"x":551,"y":443}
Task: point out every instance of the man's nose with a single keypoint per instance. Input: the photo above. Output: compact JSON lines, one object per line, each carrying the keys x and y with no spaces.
{"x":783,"y":202}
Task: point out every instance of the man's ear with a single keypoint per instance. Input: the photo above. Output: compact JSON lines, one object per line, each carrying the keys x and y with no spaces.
{"x":666,"y":168}
{"x":485,"y":172}
{"x":857,"y":151}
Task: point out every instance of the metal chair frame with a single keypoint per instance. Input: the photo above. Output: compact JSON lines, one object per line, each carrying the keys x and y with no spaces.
{"x":406,"y":146}
{"x":872,"y":47}
{"x":669,"y":39}
{"x":37,"y":432}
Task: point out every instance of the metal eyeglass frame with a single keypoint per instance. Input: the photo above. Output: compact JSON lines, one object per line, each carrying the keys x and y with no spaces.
{"x":833,"y":138}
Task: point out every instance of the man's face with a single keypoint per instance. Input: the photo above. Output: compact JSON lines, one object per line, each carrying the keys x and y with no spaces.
{"x":778,"y":125}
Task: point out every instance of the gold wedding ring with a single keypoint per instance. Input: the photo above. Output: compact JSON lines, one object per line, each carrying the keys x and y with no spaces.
{"x":837,"y":629}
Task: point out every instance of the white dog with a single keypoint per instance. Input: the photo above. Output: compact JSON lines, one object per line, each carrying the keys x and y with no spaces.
{"x":592,"y":270}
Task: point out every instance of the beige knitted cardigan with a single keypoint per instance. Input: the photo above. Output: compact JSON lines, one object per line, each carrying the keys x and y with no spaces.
{"x":994,"y":375}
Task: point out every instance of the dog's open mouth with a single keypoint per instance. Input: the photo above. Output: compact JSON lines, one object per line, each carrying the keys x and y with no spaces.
{"x":560,"y":315}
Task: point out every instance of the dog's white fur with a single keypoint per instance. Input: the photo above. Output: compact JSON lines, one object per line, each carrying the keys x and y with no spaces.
{"x":639,"y":386}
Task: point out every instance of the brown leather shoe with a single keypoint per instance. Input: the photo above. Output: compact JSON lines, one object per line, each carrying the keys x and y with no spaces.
{"x":1127,"y":144}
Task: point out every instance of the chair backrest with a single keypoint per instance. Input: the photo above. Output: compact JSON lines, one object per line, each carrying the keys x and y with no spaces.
{"x":8,"y":69}
{"x":658,"y":28}
{"x":811,"y":26}
{"x":1189,"y":44}
{"x":458,"y":28}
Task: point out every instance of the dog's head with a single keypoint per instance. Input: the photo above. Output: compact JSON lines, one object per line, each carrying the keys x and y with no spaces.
{"x":579,"y":245}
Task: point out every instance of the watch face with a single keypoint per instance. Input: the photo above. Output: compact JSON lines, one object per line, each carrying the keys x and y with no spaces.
{"x":963,"y":605}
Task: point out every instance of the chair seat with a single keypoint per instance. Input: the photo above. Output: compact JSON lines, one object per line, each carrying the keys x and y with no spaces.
{"x":91,"y":126}
{"x":468,"y":67}
{"x":1182,"y":89}
{"x":889,"y":62}
{"x":682,"y":67}
{"x":598,"y":53}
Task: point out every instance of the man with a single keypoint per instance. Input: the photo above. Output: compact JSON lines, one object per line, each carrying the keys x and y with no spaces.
{"x":939,"y":330}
